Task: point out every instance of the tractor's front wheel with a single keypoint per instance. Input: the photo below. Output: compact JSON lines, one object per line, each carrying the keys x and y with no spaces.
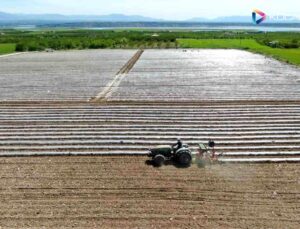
{"x":159,"y":160}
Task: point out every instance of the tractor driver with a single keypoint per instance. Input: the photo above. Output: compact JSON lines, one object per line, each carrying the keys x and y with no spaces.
{"x":178,"y":145}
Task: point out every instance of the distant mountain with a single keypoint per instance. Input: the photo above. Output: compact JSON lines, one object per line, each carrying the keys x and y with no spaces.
{"x":121,"y":17}
{"x":198,"y":19}
{"x":5,"y":16}
{"x":73,"y":18}
{"x":39,"y":19}
{"x":238,"y":19}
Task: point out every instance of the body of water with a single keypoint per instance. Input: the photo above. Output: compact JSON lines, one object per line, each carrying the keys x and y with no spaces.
{"x":208,"y":28}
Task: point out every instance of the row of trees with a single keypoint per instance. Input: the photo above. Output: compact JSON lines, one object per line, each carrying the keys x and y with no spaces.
{"x":58,"y":44}
{"x":91,"y":39}
{"x":23,"y":46}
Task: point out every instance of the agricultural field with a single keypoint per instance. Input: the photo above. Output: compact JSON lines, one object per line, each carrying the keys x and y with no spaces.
{"x":72,"y":75}
{"x":76,"y":126}
{"x":7,"y":48}
{"x":124,"y":192}
{"x":240,"y":130}
{"x":197,"y":75}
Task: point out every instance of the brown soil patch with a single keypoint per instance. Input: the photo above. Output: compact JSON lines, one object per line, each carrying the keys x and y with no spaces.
{"x":115,"y":192}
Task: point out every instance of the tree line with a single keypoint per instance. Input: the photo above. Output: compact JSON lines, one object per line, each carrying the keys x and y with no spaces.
{"x":94,"y":39}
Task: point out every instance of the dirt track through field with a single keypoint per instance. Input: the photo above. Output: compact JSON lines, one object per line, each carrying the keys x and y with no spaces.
{"x":113,"y":85}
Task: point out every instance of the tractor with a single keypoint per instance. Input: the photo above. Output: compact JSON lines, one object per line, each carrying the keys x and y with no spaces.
{"x":161,"y":154}
{"x":183,"y":156}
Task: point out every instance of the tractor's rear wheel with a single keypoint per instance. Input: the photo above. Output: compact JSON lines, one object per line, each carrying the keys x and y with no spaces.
{"x":185,"y":159}
{"x":159,"y":160}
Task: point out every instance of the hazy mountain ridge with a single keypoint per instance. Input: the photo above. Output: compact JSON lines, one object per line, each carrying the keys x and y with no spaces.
{"x":60,"y":17}
{"x":7,"y":17}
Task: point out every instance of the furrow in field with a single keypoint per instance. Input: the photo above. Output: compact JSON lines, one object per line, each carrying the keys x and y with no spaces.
{"x":260,"y":160}
{"x":134,"y":147}
{"x":153,"y":116}
{"x":138,"y":142}
{"x":150,"y":127}
{"x":292,"y":156}
{"x":139,"y":121}
{"x":226,"y":136}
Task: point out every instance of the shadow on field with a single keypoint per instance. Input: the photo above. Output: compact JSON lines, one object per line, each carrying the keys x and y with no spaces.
{"x":167,"y":163}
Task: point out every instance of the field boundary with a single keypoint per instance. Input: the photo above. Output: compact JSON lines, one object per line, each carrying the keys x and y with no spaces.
{"x":121,"y":74}
{"x":240,"y":160}
{"x":11,"y":54}
{"x":146,"y":103}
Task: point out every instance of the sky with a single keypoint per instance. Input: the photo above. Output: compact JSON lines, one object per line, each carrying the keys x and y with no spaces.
{"x":163,"y":9}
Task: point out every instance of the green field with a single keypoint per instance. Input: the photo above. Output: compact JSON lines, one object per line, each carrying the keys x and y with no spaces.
{"x":287,"y":55}
{"x":7,"y":48}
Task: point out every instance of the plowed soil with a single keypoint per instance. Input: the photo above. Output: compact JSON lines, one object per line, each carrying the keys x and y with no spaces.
{"x":124,"y":192}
